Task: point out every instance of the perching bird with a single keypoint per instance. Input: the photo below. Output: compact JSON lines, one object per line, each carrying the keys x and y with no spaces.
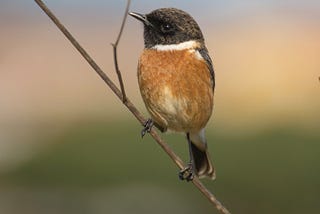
{"x":176,"y":80}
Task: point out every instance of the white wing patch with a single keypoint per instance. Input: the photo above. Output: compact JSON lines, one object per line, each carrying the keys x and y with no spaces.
{"x":197,"y":54}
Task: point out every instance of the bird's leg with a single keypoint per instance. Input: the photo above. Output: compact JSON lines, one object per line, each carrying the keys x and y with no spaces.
{"x":188,"y":172}
{"x":147,"y":127}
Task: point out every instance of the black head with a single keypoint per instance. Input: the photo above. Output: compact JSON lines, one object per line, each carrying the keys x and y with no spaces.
{"x":167,"y":26}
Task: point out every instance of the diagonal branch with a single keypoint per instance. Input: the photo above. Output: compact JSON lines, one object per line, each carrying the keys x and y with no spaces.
{"x":176,"y":159}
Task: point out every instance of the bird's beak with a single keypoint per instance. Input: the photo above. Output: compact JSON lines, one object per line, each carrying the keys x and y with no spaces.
{"x":141,"y":18}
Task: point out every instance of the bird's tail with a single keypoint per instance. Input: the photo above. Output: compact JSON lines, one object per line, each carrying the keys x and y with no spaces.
{"x":202,"y":161}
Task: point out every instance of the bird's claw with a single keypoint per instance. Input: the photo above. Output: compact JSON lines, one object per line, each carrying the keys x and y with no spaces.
{"x":147,"y":127}
{"x":187,"y":173}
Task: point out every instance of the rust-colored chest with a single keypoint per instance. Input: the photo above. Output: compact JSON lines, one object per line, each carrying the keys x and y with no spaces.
{"x":176,"y":87}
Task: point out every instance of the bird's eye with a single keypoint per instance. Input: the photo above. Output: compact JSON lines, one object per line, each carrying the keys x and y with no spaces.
{"x":166,"y":28}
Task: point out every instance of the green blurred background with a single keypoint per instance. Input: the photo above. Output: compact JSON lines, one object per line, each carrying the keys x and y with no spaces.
{"x":67,"y":145}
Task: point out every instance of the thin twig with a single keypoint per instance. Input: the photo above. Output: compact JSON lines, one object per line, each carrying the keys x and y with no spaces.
{"x":176,"y":159}
{"x":123,"y":23}
{"x":115,"y":56}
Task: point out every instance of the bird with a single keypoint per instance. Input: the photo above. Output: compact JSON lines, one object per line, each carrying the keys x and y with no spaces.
{"x":177,"y":80}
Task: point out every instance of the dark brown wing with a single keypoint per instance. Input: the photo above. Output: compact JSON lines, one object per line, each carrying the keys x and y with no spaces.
{"x":205,"y":54}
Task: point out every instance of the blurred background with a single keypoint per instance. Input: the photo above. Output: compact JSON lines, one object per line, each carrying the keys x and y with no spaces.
{"x":67,"y":144}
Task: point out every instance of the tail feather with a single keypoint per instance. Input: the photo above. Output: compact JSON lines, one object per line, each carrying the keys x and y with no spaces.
{"x":199,"y":151}
{"x":202,"y":162}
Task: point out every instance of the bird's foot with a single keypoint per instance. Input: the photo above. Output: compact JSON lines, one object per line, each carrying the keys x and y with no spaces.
{"x":187,"y":173}
{"x":147,"y":127}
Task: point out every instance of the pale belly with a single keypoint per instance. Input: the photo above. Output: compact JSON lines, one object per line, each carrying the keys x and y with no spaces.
{"x":179,"y":113}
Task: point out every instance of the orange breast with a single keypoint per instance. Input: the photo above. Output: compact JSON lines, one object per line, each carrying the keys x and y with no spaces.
{"x":176,"y":89}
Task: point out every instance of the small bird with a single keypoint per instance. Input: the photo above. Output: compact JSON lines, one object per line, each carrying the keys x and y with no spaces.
{"x":176,"y":80}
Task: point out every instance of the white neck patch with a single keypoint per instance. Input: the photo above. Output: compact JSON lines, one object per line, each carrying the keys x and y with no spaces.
{"x":177,"y":47}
